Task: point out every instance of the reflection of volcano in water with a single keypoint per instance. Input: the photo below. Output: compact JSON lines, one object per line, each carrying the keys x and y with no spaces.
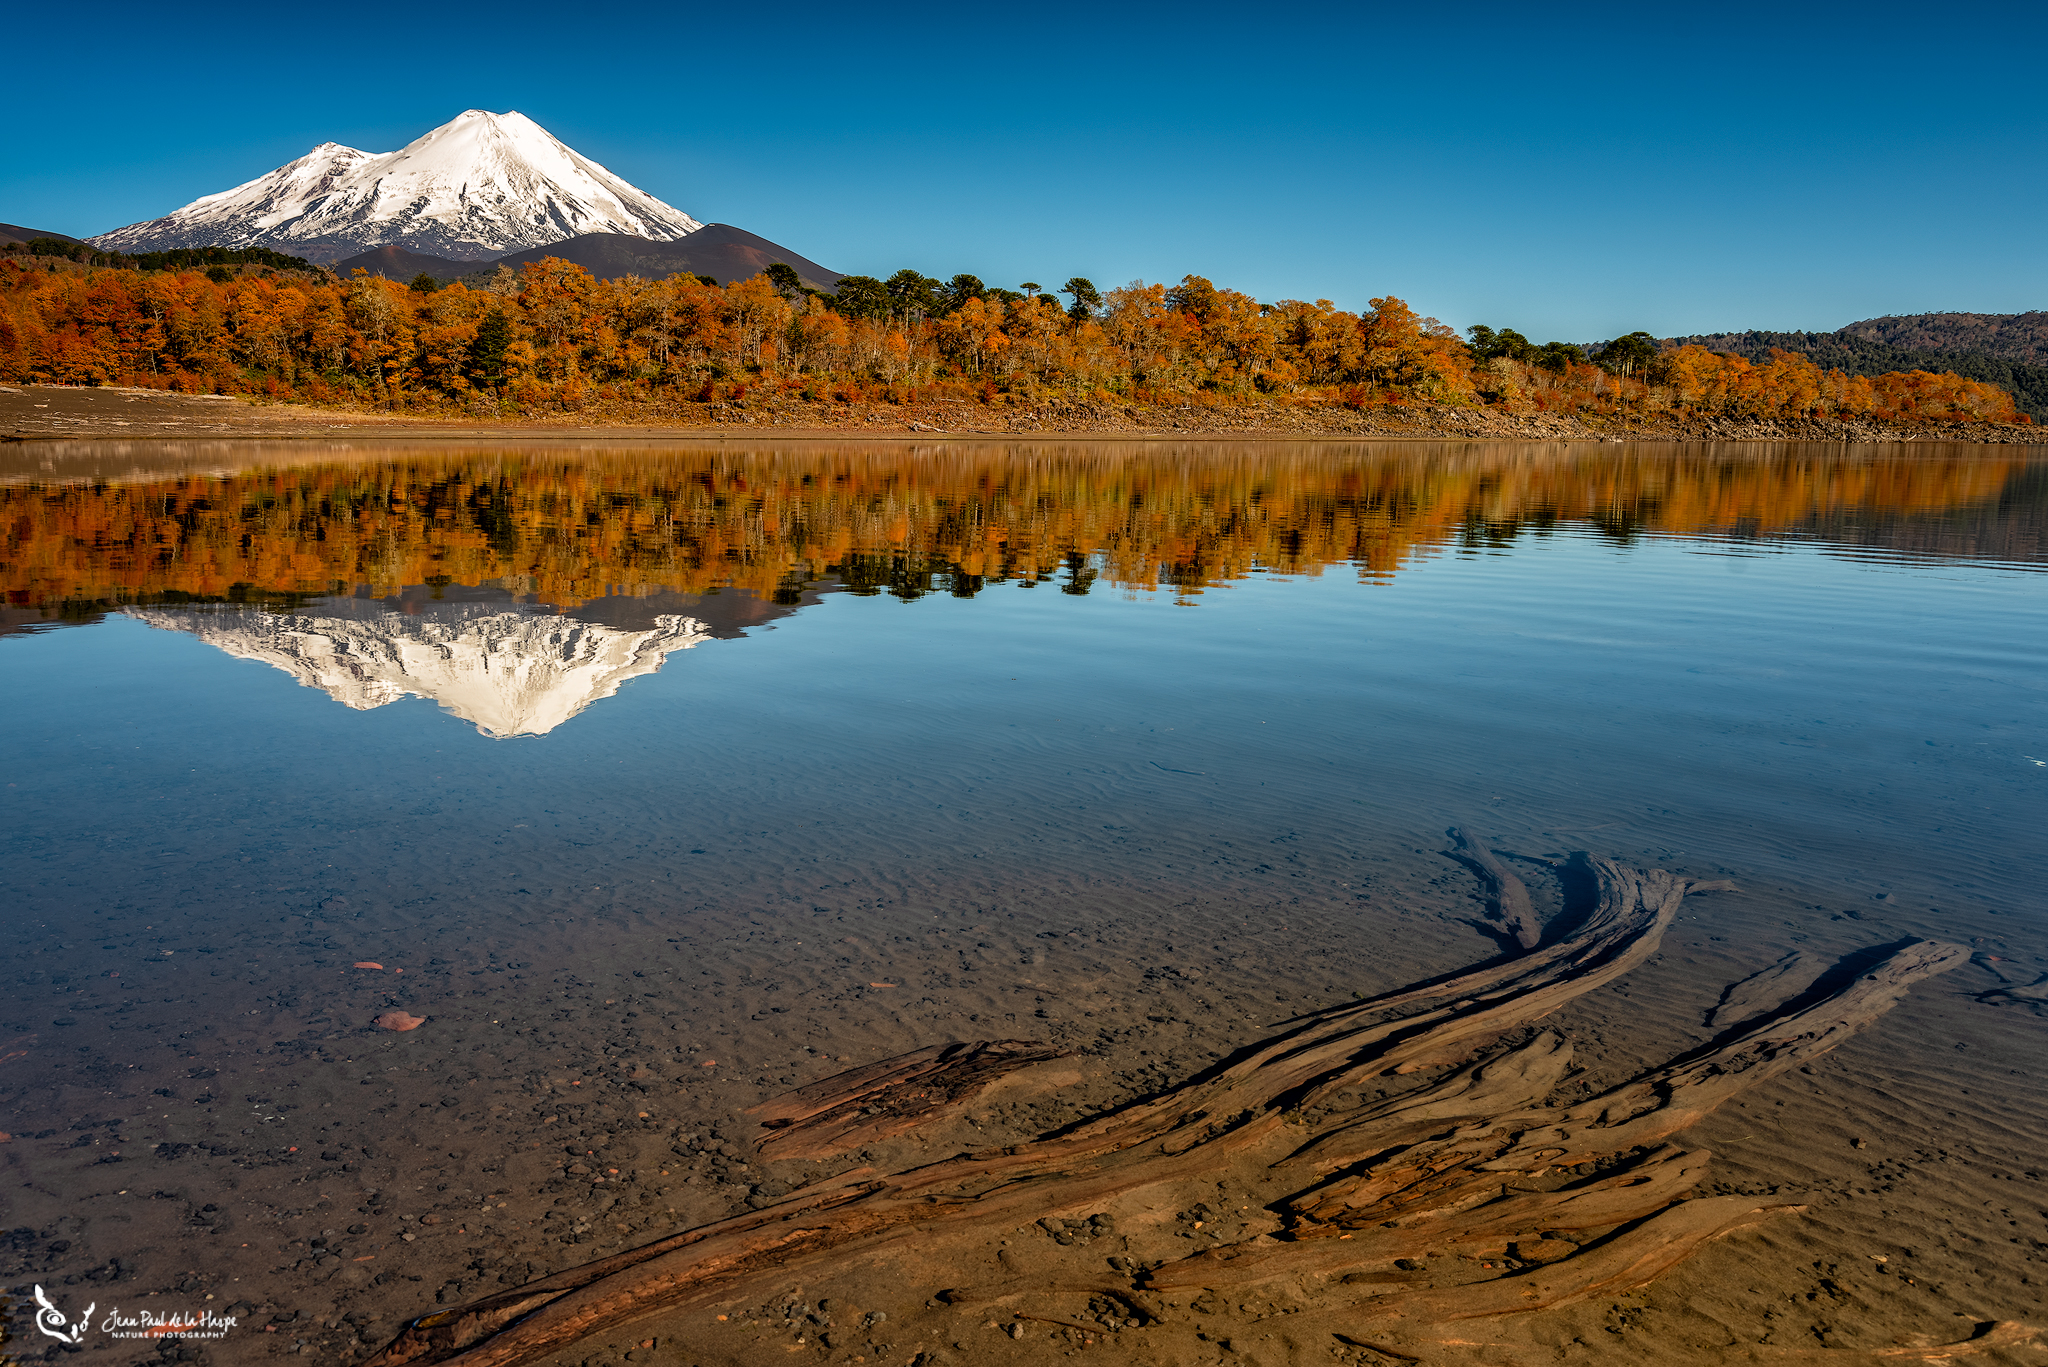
{"x":513,"y":668}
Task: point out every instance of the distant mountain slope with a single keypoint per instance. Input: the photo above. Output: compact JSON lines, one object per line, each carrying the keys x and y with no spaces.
{"x":14,"y":232}
{"x":478,"y":186}
{"x":1850,"y":349}
{"x":2010,"y":336}
{"x":396,"y":263}
{"x":719,"y":250}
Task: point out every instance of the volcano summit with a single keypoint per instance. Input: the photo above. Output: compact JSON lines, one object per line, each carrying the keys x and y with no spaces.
{"x":479,"y":186}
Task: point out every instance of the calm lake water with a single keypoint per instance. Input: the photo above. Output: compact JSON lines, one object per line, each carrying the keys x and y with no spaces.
{"x":672,"y":669}
{"x":546,"y":718}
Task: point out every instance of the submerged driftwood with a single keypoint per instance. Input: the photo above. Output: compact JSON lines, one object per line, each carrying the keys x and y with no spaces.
{"x":1765,"y":990}
{"x":892,"y":1097}
{"x":1512,"y":908}
{"x":1562,"y":1201}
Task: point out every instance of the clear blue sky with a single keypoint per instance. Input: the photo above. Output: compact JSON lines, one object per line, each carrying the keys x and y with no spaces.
{"x":1573,"y":171}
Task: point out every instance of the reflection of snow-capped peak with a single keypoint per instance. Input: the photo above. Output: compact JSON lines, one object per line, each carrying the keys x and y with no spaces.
{"x":512,"y":668}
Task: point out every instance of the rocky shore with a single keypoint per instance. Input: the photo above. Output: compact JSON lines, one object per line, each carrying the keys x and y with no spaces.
{"x":44,"y":412}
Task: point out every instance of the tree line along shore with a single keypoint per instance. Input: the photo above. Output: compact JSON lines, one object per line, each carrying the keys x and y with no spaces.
{"x":551,"y":338}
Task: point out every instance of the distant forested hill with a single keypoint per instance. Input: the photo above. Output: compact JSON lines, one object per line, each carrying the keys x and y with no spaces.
{"x":2008,"y":336}
{"x":2009,"y":350}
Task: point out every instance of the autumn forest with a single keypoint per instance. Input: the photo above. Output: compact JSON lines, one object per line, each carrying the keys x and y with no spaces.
{"x":551,"y":338}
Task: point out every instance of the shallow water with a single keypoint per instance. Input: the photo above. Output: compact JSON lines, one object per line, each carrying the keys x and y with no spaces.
{"x":1133,"y":747}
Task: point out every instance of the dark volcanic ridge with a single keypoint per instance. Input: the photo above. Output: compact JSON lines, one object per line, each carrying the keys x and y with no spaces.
{"x":14,"y":232}
{"x":717,"y":250}
{"x":394,"y":262}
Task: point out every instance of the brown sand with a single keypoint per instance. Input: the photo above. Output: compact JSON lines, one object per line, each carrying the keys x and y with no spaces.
{"x":437,"y":1164}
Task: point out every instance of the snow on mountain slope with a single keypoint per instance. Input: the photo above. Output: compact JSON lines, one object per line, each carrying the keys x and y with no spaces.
{"x":512,"y":669}
{"x":478,"y":186}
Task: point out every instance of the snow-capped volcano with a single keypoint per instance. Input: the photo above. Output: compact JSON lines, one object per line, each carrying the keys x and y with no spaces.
{"x":479,"y":186}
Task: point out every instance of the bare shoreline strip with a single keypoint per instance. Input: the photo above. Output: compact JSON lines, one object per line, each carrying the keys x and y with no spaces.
{"x":42,"y":413}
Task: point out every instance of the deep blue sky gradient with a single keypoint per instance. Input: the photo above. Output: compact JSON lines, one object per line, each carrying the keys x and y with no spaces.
{"x":1572,"y":171}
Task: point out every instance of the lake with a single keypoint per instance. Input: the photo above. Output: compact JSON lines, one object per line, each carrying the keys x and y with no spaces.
{"x":660,"y":778}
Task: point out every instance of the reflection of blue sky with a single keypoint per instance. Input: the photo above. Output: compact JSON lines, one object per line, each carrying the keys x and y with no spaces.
{"x":1798,"y":714}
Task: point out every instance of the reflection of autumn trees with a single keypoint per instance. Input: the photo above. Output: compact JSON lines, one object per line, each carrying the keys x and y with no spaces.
{"x":554,"y":338}
{"x":573,"y":527}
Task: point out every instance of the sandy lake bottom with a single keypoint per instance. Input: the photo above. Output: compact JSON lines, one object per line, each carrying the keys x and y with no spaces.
{"x":660,"y":781}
